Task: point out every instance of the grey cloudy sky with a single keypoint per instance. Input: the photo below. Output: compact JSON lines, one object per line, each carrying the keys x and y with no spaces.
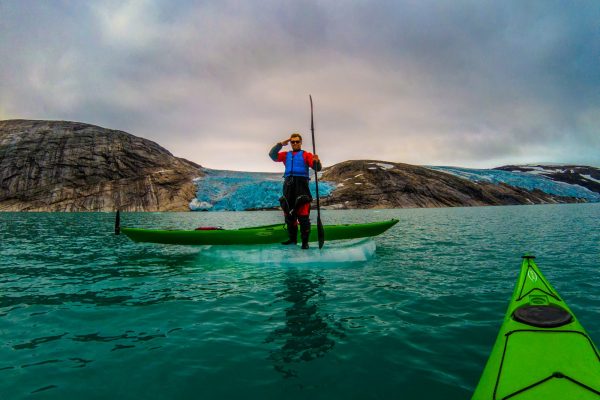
{"x":467,"y":83}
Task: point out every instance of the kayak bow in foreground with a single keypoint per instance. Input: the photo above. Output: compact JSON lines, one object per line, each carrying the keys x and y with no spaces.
{"x":268,"y":234}
{"x":542,"y":351}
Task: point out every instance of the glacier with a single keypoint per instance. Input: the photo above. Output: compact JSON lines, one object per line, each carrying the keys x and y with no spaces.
{"x":522,"y":180}
{"x":221,"y":190}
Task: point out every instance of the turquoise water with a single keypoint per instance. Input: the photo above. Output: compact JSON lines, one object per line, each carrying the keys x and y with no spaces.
{"x":86,"y":314}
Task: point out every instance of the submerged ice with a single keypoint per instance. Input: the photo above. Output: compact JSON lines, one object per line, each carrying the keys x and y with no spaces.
{"x":222,"y":190}
{"x":333,"y":253}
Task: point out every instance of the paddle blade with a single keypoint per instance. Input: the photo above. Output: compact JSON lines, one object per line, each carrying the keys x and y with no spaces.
{"x":320,"y":232}
{"x":118,"y":223}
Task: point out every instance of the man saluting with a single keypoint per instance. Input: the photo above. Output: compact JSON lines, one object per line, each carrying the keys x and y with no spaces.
{"x":296,"y":198}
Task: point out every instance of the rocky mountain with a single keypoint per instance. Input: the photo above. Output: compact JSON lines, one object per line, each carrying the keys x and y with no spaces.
{"x":71,"y":166}
{"x":375,"y":184}
{"x":585,"y":176}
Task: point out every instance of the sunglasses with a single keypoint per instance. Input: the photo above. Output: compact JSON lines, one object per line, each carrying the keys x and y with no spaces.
{"x":295,"y":141}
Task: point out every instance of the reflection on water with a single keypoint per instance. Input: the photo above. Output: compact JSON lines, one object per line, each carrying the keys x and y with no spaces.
{"x":307,"y":334}
{"x":129,"y":335}
{"x":32,"y":344}
{"x":44,"y":388}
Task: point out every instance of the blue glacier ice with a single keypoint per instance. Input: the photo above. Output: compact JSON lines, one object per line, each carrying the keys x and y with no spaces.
{"x":522,"y":180}
{"x":222,"y":190}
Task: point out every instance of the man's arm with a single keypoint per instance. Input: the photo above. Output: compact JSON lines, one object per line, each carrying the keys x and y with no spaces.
{"x":274,"y":153}
{"x":312,"y":160}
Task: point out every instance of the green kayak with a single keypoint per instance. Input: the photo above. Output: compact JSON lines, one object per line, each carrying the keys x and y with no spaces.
{"x":256,"y":235}
{"x":542,"y":351}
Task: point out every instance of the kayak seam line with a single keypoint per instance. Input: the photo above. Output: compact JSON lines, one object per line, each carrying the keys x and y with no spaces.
{"x":542,"y":278}
{"x":575,"y":381}
{"x":526,"y":388}
{"x":500,"y":369}
{"x":507,"y":336}
{"x":591,"y":389}
{"x":543,"y":291}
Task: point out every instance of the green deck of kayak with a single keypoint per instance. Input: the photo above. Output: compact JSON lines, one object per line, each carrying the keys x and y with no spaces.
{"x":255,"y":235}
{"x":532,"y":362}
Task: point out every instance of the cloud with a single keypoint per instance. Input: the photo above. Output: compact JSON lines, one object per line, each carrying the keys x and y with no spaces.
{"x":429,"y":82}
{"x":128,"y":24}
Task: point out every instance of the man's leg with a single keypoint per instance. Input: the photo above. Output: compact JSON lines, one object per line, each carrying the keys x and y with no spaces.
{"x":292,"y":227}
{"x":290,"y":221}
{"x":303,"y":217}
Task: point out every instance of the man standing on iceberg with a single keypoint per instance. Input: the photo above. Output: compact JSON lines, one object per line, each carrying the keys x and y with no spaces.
{"x":296,"y":198}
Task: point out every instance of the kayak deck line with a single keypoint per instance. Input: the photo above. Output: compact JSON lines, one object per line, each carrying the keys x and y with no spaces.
{"x":541,"y":351}
{"x":557,"y":374}
{"x":548,"y":288}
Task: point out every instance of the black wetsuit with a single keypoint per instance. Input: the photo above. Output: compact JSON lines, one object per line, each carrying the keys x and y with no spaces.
{"x":296,"y":200}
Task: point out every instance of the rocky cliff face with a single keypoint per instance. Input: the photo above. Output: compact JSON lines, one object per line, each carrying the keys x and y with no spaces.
{"x":70,"y":166}
{"x":375,"y":184}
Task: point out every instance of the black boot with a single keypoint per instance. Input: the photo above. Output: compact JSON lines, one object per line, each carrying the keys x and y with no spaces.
{"x":292,"y":233}
{"x":304,"y":230}
{"x":304,"y":241}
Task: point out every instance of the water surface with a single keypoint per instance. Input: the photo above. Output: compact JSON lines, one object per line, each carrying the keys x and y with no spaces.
{"x":86,"y":314}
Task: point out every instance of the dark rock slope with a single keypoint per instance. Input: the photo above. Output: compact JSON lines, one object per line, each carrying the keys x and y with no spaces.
{"x":70,"y":166}
{"x":377,"y":184}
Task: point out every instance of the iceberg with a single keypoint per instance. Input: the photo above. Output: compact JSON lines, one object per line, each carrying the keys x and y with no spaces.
{"x":522,"y":180}
{"x":337,"y":251}
{"x":221,"y":190}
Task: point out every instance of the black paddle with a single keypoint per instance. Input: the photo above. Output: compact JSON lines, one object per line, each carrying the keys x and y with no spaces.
{"x":320,"y":230}
{"x":118,"y":223}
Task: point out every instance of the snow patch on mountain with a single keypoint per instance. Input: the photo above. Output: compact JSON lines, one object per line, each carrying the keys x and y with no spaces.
{"x":381,"y":165}
{"x":531,"y":180}
{"x":589,"y":178}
